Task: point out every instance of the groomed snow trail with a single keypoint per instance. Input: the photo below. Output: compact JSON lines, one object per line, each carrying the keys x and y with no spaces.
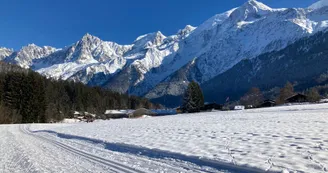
{"x":25,"y":151}
{"x":112,"y":165}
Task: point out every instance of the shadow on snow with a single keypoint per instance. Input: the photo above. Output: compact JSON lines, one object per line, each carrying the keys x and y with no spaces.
{"x":160,"y":154}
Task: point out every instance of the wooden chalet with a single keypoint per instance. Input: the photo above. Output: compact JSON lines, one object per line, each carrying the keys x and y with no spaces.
{"x":268,"y":103}
{"x":297,"y":98}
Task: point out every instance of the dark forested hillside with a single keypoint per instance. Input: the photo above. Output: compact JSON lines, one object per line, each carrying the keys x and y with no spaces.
{"x":27,"y":97}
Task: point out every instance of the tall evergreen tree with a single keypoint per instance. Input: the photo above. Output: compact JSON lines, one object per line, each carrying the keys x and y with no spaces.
{"x":193,"y":98}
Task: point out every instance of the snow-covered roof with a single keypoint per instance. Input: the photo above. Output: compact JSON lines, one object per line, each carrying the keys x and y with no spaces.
{"x":127,"y":111}
{"x":297,"y":94}
{"x":90,"y":114}
{"x":118,"y":111}
{"x":323,"y":100}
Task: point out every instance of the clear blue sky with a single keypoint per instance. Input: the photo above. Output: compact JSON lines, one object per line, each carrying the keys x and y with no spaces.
{"x":62,"y":22}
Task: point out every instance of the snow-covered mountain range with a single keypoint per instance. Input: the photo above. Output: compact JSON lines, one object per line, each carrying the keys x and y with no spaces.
{"x":304,"y":63}
{"x":155,"y":65}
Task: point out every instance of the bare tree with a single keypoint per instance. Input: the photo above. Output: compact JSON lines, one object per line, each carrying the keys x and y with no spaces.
{"x":253,"y":97}
{"x":313,"y":95}
{"x":285,"y":93}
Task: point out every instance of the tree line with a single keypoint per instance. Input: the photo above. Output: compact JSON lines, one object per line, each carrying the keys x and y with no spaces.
{"x":193,"y":99}
{"x":28,"y":97}
{"x":255,"y":96}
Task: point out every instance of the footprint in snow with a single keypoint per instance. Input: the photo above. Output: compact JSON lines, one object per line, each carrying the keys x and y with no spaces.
{"x":298,"y":138}
{"x":316,"y":139}
{"x":289,"y":136}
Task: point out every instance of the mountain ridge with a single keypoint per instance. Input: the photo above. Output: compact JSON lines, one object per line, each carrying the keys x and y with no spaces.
{"x":155,"y":65}
{"x":248,"y":39}
{"x":303,"y":63}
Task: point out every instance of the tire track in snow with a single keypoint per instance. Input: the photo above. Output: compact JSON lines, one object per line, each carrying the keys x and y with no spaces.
{"x":47,"y":159}
{"x":19,"y":161}
{"x":114,"y":166}
{"x":154,"y":153}
{"x":172,"y":166}
{"x":169,"y":165}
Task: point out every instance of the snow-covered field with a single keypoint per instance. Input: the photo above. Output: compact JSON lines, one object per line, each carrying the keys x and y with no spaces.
{"x":290,"y":138}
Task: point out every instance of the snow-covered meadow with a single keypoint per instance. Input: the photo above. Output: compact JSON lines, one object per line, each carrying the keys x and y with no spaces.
{"x":293,"y":138}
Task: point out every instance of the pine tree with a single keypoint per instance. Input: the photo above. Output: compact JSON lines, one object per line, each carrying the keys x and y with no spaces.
{"x":39,"y":99}
{"x":193,"y":98}
{"x":12,"y":91}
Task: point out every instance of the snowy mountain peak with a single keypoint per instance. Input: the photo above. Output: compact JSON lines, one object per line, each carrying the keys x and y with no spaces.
{"x":319,"y":4}
{"x":5,"y":52}
{"x":85,"y":46}
{"x":6,"y":49}
{"x":159,"y":35}
{"x":90,"y":39}
{"x":36,"y":50}
{"x":256,"y":4}
{"x":186,"y":31}
{"x":151,"y":39}
{"x":30,"y":46}
{"x":250,"y":10}
{"x":27,"y":54}
{"x":33,"y":47}
{"x":189,"y":28}
{"x":88,"y":36}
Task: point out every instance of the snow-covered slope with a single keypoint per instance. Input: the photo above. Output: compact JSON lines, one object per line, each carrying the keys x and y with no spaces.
{"x":319,"y":4}
{"x":279,"y":139}
{"x":303,"y":63}
{"x":85,"y":55}
{"x":153,"y":63}
{"x":4,"y":52}
{"x":27,"y":54}
{"x":156,"y":65}
{"x":242,"y":33}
